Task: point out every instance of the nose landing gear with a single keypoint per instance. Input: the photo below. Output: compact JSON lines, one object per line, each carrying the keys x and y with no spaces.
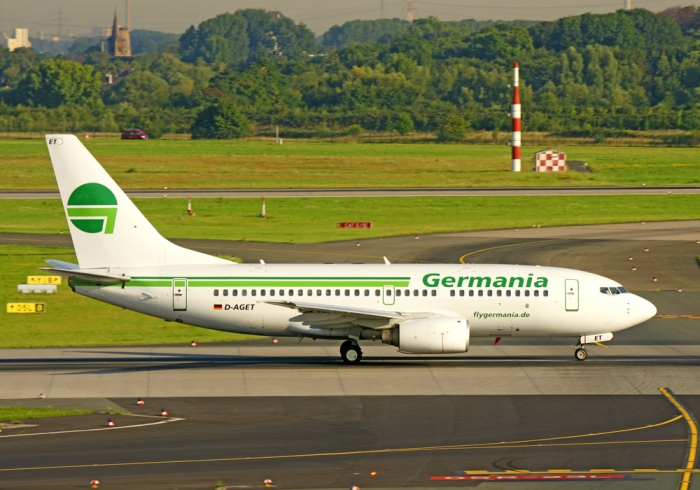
{"x":350,"y":352}
{"x":580,"y":354}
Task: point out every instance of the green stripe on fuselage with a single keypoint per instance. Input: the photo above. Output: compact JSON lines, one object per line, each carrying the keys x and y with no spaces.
{"x":262,"y":282}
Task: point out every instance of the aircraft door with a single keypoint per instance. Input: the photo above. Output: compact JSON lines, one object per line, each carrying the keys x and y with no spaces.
{"x":179,"y":294}
{"x":389,"y":295}
{"x":571,"y":299}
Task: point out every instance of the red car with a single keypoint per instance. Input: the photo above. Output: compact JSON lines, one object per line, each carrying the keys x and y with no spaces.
{"x":134,"y":134}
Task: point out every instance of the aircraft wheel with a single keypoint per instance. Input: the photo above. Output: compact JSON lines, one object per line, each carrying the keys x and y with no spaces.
{"x":345,"y":346}
{"x":580,"y":354}
{"x":352,"y":354}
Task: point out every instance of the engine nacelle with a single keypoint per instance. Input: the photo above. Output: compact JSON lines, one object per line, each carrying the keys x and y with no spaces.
{"x":433,"y":335}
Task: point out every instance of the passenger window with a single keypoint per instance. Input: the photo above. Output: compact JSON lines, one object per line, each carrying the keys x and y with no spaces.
{"x":398,"y":292}
{"x":281,"y":292}
{"x":245,"y":292}
{"x":225,"y":292}
{"x":388,"y":292}
{"x":517,"y":292}
{"x":545,"y":293}
{"x":366,"y":292}
{"x":291,"y":292}
{"x":508,"y":293}
{"x":337,"y":292}
{"x":415,"y":292}
{"x":216,"y":292}
{"x":357,"y":292}
{"x":452,"y":292}
{"x":499,"y":293}
{"x":489,"y":293}
{"x":537,"y":293}
{"x":471,"y":292}
{"x":425,"y":292}
{"x":433,"y":292}
{"x":481,"y":292}
{"x":263,"y":292}
{"x":527,"y":292}
{"x":347,"y":292}
{"x":407,"y":292}
{"x":318,"y":292}
{"x":461,"y":292}
{"x":328,"y":292}
{"x":253,"y":292}
{"x":234,"y":292}
{"x":377,"y":292}
{"x":272,"y":292}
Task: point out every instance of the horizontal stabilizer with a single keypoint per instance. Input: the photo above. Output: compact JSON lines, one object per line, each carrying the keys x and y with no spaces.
{"x":59,"y":264}
{"x":98,"y":278}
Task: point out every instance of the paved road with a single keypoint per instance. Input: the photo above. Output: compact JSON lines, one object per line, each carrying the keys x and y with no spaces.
{"x":389,"y":192}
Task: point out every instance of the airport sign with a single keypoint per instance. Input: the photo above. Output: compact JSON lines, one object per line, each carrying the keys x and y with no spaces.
{"x":26,"y":307}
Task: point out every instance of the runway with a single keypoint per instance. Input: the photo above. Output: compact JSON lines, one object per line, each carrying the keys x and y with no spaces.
{"x":252,"y":410}
{"x":379,"y":192}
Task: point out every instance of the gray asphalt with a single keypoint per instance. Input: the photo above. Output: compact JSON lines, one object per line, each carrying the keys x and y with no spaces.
{"x":331,"y":442}
{"x":314,"y":405}
{"x":379,"y":192}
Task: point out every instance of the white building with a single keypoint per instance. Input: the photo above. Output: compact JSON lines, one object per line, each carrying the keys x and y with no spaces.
{"x":21,"y":40}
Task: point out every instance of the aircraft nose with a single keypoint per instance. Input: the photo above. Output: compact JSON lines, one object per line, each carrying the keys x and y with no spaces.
{"x":644,"y":309}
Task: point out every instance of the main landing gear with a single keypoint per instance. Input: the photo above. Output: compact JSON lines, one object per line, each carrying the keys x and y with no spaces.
{"x":580,"y":354}
{"x":350,"y":352}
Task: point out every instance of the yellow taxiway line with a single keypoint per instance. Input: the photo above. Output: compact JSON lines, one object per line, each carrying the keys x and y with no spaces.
{"x":525,"y":443}
{"x":692,"y":443}
{"x":461,"y":259}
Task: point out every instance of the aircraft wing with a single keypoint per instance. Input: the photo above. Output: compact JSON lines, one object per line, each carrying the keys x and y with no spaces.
{"x":341,"y":310}
{"x":314,"y":315}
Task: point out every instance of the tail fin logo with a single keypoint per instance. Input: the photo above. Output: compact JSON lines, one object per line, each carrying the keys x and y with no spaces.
{"x":92,"y":208}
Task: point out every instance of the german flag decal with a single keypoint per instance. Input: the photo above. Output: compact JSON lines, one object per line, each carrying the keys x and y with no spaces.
{"x":218,"y":307}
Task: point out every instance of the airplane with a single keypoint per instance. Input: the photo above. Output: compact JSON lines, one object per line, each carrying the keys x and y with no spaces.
{"x":419,"y":308}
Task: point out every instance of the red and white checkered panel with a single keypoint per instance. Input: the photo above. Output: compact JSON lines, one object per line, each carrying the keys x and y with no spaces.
{"x":550,"y":161}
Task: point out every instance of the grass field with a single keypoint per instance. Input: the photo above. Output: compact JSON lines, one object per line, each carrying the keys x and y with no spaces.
{"x":74,"y":320}
{"x":314,"y":219}
{"x":14,"y":414}
{"x":246,"y":164}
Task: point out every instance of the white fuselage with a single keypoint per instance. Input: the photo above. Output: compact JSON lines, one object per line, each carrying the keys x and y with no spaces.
{"x":497,"y":300}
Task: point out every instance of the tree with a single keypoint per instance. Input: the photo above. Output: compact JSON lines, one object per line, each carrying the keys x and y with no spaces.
{"x":60,"y":82}
{"x":247,"y":36}
{"x":405,"y":124}
{"x":364,"y":31}
{"x":220,"y":121}
{"x":142,"y":89}
{"x":453,"y":129}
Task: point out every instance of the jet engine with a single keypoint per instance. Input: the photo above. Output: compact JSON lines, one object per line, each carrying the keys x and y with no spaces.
{"x":433,"y":335}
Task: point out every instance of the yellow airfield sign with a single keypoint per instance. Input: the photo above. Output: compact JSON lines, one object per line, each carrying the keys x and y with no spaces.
{"x":26,"y":307}
{"x":43,"y":279}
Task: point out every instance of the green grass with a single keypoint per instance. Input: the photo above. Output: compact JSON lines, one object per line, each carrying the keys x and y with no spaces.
{"x":74,"y":320}
{"x":180,"y":164}
{"x":309,"y":220}
{"x":19,"y":413}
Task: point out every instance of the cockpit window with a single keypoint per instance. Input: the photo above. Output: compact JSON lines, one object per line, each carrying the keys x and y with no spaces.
{"x":613,"y":291}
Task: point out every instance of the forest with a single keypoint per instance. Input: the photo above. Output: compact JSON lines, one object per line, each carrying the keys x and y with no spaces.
{"x":243,"y":73}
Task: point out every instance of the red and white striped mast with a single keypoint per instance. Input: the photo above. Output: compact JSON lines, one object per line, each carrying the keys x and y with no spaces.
{"x":515,"y":115}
